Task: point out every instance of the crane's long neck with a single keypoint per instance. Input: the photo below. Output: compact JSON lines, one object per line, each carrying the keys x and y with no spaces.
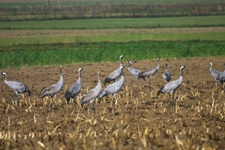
{"x":121,"y":62}
{"x":99,"y":85}
{"x":158,"y":65}
{"x":129,"y":64}
{"x":166,"y":67}
{"x":181,"y":73}
{"x":210,"y":67}
{"x":5,"y":78}
{"x":79,"y":72}
{"x":61,"y":76}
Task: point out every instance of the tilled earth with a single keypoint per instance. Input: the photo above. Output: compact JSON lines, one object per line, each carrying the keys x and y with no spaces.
{"x":140,"y":120}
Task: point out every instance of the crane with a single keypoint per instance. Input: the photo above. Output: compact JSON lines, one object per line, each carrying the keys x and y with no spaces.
{"x":134,"y":72}
{"x":214,"y":73}
{"x":17,"y":87}
{"x":172,"y":86}
{"x":166,"y":75}
{"x":150,"y":72}
{"x":55,"y":88}
{"x":113,"y":88}
{"x":92,"y":94}
{"x":115,"y":74}
{"x":74,"y":89}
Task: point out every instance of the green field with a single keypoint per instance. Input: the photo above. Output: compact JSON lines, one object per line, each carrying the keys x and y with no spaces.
{"x":172,"y":22}
{"x":39,"y":55}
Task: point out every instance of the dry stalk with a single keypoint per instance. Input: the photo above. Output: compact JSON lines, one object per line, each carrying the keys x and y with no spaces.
{"x":53,"y":132}
{"x":7,"y":109}
{"x":35,"y":119}
{"x":144,"y":142}
{"x":179,"y":142}
{"x":41,"y":144}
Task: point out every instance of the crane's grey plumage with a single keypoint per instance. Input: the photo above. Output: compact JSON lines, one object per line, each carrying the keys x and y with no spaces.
{"x":215,"y":73}
{"x":222,"y":77}
{"x":134,"y":72}
{"x":150,"y":72}
{"x":91,"y":95}
{"x":115,"y":74}
{"x":172,"y":86}
{"x":113,"y":88}
{"x":18,"y":87}
{"x":55,"y":88}
{"x":166,"y":75}
{"x":74,"y":89}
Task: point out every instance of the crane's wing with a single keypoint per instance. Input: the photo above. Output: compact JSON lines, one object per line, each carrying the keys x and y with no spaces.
{"x":53,"y":89}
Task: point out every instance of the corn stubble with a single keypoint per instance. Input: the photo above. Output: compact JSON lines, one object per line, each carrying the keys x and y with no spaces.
{"x":139,"y":120}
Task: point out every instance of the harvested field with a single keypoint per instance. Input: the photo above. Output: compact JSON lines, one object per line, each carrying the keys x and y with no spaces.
{"x":140,"y":120}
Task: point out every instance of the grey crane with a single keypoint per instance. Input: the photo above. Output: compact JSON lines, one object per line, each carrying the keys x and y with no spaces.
{"x":222,"y":78}
{"x":172,"y":86}
{"x":113,"y":88}
{"x":166,"y":75}
{"x":115,"y":74}
{"x":74,"y":89}
{"x":55,"y":88}
{"x":150,"y":72}
{"x":134,"y":72}
{"x":215,"y":73}
{"x":92,"y":94}
{"x":18,"y":87}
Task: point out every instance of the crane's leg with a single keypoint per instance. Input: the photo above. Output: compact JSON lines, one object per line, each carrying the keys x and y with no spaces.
{"x":171,"y":102}
{"x":149,"y":83}
{"x":132,"y":80}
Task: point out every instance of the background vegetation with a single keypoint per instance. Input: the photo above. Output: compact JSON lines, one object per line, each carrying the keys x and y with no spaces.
{"x":39,"y":55}
{"x":64,"y":9}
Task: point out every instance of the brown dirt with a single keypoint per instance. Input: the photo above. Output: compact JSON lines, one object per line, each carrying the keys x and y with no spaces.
{"x":141,"y":119}
{"x":53,"y":33}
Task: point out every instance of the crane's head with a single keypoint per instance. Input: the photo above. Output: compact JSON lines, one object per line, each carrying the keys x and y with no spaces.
{"x":80,"y":69}
{"x":3,"y":73}
{"x":210,"y":63}
{"x":182,"y":67}
{"x":121,"y":56}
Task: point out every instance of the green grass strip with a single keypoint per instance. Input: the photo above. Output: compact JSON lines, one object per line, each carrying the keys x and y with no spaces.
{"x":39,"y":55}
{"x":173,"y":22}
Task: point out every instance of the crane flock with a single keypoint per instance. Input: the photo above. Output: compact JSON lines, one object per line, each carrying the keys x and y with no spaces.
{"x":113,"y":88}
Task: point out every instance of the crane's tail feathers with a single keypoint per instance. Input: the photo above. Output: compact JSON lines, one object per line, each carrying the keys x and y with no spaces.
{"x":107,"y":80}
{"x":68,"y":95}
{"x":142,"y":77}
{"x":27,"y":90}
{"x":160,"y":90}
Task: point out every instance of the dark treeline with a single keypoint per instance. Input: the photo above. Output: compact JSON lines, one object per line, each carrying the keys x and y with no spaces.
{"x":109,"y":11}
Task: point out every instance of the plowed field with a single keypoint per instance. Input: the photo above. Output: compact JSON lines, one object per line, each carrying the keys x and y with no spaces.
{"x":140,"y":120}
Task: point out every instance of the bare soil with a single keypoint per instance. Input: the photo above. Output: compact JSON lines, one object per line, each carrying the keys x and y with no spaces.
{"x":141,"y":119}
